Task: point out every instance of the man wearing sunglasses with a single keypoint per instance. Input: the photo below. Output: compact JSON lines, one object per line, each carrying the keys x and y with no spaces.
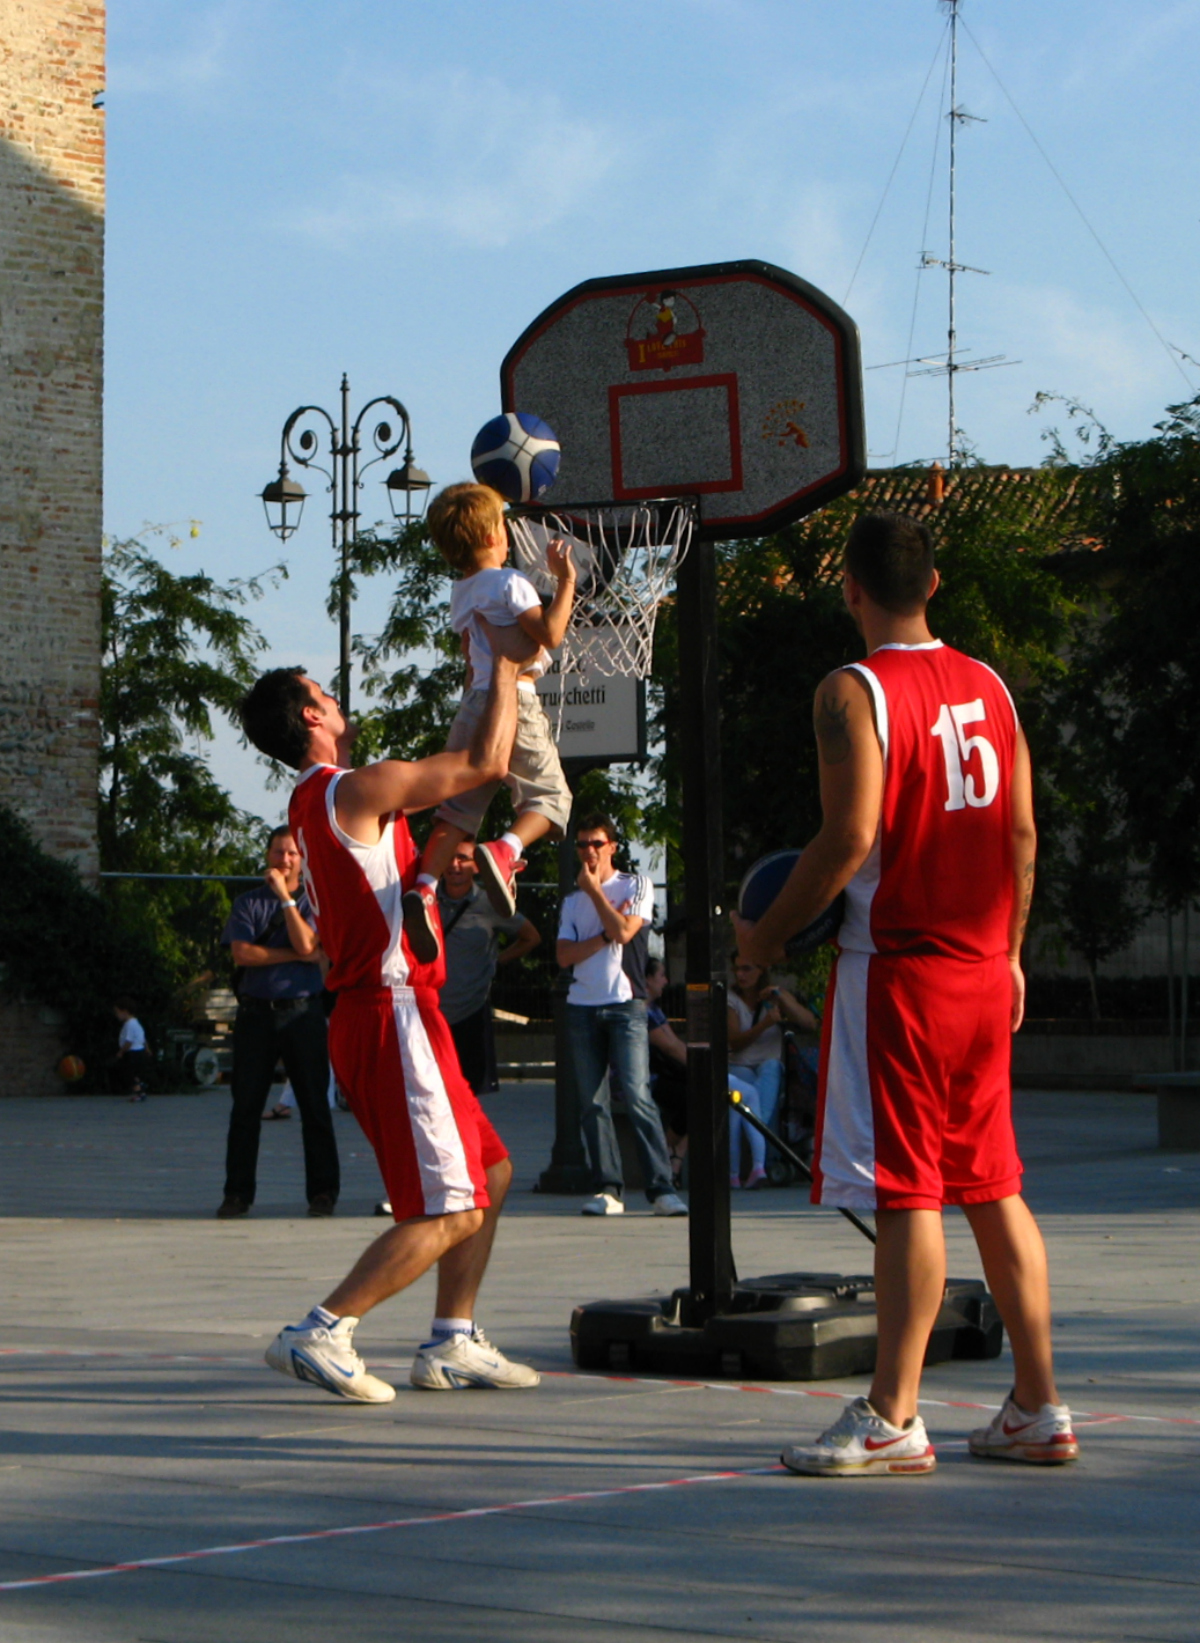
{"x":606,"y":1024}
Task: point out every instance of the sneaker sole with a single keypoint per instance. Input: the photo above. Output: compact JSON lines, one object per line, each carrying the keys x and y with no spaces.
{"x":496,"y":887}
{"x":1032,"y":1454}
{"x":444,"y":1382}
{"x":913,"y":1465}
{"x":422,"y":937}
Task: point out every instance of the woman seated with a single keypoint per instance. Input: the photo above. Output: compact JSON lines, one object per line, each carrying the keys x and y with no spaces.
{"x":757,"y":1009}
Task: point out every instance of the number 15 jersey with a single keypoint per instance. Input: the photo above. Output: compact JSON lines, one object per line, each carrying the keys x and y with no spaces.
{"x":939,"y":877}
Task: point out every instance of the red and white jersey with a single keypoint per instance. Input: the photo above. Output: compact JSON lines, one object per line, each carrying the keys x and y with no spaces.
{"x":355,"y":890}
{"x":939,"y":878}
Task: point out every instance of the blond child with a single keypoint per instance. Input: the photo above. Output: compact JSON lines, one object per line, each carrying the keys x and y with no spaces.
{"x":466,"y":523}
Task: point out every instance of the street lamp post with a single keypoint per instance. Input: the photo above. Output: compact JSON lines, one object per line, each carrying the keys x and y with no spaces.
{"x":283,"y":498}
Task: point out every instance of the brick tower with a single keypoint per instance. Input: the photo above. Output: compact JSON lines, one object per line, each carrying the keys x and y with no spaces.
{"x":51,"y":375}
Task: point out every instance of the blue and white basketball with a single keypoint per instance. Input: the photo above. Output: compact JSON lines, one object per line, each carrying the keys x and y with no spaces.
{"x":763,"y":883}
{"x":516,"y":454}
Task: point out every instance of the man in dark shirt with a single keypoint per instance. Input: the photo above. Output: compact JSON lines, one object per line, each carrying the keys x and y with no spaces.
{"x":272,"y":940}
{"x":470,"y":928}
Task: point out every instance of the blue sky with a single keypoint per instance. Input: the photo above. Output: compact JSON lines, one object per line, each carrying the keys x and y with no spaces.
{"x":395,"y":190}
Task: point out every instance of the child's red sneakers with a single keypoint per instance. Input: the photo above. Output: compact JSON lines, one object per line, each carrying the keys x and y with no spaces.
{"x":498,"y":867}
{"x":422,"y":926}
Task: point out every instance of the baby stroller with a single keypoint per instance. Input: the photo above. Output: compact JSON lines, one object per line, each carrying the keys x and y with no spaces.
{"x":796,"y":1114}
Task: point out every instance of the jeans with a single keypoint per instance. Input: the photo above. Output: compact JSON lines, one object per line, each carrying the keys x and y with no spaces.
{"x":596,"y":1034}
{"x":760,"y":1087}
{"x":261,"y":1037}
{"x":475,"y":1040}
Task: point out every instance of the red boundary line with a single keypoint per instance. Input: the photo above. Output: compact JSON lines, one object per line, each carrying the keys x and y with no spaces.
{"x":375,"y":1528}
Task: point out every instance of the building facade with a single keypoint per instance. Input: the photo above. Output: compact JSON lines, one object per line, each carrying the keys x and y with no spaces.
{"x":51,"y":436}
{"x":51,"y":377}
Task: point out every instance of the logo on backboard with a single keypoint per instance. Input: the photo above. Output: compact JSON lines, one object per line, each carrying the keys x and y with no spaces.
{"x":782,"y":424}
{"x":664,"y":330}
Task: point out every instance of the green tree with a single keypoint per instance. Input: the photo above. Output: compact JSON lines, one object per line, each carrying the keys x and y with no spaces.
{"x":176,"y":651}
{"x":413,"y":670}
{"x":63,"y":947}
{"x":1141,"y":662}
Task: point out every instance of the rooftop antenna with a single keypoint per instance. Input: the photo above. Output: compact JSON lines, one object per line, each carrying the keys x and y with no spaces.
{"x":957,"y":116}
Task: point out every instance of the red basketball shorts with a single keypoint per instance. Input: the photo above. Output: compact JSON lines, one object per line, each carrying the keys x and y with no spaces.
{"x":394,"y":1058}
{"x":915,"y":1101}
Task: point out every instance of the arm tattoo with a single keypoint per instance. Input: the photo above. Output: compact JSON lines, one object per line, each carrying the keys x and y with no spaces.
{"x":833,"y":728}
{"x":1026,"y":901}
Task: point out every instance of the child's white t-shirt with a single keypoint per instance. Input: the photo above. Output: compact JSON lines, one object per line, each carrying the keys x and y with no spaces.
{"x":132,"y":1035}
{"x":499,"y":595}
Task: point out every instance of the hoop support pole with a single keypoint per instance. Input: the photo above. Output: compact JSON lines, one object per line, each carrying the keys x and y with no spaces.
{"x":710,"y":1250}
{"x":568,"y":1171}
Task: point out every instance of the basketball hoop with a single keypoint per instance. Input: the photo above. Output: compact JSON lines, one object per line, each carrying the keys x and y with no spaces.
{"x":625,"y":555}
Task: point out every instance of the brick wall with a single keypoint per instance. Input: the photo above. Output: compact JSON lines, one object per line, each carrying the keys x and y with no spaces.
{"x":51,"y":362}
{"x":51,"y":341}
{"x":33,"y":1044}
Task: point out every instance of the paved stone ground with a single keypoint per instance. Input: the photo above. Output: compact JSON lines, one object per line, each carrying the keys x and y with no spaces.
{"x":138,"y":1423}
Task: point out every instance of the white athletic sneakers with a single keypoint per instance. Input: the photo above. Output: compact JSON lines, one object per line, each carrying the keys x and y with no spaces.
{"x":669,"y":1203}
{"x":326,"y":1358}
{"x":861,"y":1443}
{"x":462,"y":1362}
{"x":603,"y":1203}
{"x":1044,"y":1439}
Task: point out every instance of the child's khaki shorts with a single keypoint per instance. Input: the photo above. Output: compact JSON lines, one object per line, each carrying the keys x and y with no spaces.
{"x":535,"y":773}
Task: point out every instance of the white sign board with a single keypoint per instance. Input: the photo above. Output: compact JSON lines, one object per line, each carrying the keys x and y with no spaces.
{"x":596,"y":716}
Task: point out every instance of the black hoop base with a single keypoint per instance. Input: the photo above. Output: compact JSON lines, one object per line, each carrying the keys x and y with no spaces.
{"x":797,"y":1326}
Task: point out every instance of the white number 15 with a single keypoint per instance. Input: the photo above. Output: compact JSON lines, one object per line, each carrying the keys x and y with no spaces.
{"x":957,"y":749}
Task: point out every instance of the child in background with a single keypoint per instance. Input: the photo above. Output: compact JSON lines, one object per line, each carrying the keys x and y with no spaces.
{"x":132,"y":1058}
{"x":466,"y":523}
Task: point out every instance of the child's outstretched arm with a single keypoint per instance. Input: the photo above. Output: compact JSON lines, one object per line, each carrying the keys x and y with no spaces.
{"x":549,"y":626}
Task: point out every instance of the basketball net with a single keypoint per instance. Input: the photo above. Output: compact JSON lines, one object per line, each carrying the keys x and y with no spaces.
{"x":625,"y":555}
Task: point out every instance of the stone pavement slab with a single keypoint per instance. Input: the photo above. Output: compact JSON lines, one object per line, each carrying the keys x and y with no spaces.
{"x":138,"y":1422}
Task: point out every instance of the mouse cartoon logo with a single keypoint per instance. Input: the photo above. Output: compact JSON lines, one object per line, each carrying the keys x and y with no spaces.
{"x":664,"y":330}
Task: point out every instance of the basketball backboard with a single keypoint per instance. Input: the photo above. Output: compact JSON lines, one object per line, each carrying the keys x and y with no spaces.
{"x":737,"y":383}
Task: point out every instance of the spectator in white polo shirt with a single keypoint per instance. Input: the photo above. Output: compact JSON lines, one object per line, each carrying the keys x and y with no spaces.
{"x":606,"y":1022}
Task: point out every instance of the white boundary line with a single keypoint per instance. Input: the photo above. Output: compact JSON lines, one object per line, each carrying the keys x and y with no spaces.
{"x":375,"y":1528}
{"x":1106,"y":1417}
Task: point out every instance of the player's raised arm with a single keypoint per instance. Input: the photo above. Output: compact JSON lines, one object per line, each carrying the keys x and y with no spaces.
{"x":851,"y":770}
{"x":548,"y":627}
{"x":1024,"y":846}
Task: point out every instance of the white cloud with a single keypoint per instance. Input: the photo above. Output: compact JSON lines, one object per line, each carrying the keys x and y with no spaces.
{"x":1134,"y":40}
{"x":812,"y":230}
{"x":196,"y":61}
{"x":478,"y":161}
{"x":1085,"y":349}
